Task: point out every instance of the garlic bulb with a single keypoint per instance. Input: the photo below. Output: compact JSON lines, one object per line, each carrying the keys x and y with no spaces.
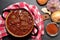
{"x":45,"y":10}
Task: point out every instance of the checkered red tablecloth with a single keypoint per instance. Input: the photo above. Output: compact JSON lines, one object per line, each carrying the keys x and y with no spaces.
{"x":33,"y":11}
{"x":2,"y":28}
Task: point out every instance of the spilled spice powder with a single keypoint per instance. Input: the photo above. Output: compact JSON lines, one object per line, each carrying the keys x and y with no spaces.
{"x":52,"y":28}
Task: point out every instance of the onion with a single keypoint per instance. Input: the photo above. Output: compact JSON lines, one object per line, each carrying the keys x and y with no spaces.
{"x":56,"y":16}
{"x":53,"y":5}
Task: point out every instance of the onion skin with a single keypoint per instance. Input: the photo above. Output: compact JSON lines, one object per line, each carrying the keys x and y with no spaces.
{"x":56,"y":16}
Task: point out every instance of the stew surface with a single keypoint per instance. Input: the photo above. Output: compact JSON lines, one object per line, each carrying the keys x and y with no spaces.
{"x":20,"y":22}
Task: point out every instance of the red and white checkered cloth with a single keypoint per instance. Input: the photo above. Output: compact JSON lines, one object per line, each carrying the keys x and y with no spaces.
{"x":34,"y":12}
{"x":2,"y":28}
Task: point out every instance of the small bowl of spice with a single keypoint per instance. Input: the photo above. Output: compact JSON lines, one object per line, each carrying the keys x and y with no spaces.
{"x":52,"y":29}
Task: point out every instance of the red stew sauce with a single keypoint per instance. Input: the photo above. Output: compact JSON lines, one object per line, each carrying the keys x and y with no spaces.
{"x":20,"y":22}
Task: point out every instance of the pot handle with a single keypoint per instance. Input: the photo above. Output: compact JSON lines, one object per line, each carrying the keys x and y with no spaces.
{"x":33,"y":32}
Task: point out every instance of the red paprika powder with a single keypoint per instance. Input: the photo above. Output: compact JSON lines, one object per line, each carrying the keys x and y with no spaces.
{"x":52,"y":28}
